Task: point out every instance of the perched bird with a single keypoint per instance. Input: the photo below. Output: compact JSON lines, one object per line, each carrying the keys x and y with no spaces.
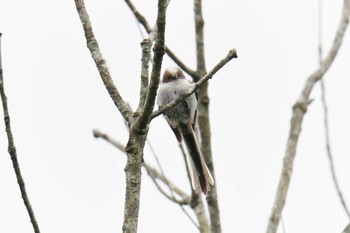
{"x":181,"y":119}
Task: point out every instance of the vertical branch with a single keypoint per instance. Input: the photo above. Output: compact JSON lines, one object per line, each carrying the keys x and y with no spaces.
{"x":325,"y":110}
{"x":198,"y":207}
{"x":158,"y":50}
{"x":13,"y":153}
{"x":203,"y":117}
{"x":139,"y":129}
{"x":134,"y":150}
{"x":299,"y":110}
{"x":146,"y":45}
{"x":199,"y":27}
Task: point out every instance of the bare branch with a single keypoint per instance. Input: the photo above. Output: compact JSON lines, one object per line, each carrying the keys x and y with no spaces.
{"x":299,"y":110}
{"x":153,"y":173}
{"x":232,"y":54}
{"x":139,"y":129}
{"x":199,"y":26}
{"x":347,"y":229}
{"x":142,"y":20}
{"x":185,"y":201}
{"x":325,"y":110}
{"x":13,"y":152}
{"x":98,"y":134}
{"x":330,"y":156}
{"x":199,"y":209}
{"x":329,"y":153}
{"x":94,"y":49}
{"x":158,"y":51}
{"x":162,"y":174}
{"x":203,"y":118}
{"x":146,"y":45}
{"x":156,"y":175}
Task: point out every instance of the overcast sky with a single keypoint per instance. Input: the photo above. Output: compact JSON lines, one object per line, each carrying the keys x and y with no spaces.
{"x":56,"y":98}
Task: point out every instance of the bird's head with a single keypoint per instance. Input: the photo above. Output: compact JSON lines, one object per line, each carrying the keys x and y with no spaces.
{"x":172,"y":74}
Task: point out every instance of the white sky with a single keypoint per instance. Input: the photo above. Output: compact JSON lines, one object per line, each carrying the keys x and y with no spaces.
{"x":76,"y":183}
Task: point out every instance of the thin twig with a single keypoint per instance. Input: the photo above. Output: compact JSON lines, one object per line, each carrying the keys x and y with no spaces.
{"x":172,"y":197}
{"x":13,"y":152}
{"x":183,"y":152}
{"x":232,"y":54}
{"x":154,"y":173}
{"x":142,"y":20}
{"x":95,"y":51}
{"x":99,"y":134}
{"x":299,"y":110}
{"x":325,"y":110}
{"x":329,"y":153}
{"x":163,"y":175}
{"x":140,"y":29}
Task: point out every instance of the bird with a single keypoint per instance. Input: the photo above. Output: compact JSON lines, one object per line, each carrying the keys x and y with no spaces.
{"x":181,"y":119}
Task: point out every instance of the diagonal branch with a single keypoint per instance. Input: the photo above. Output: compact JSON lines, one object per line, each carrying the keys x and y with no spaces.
{"x":347,"y":229}
{"x":142,"y":20}
{"x":151,"y":171}
{"x":299,"y":110}
{"x":13,"y":153}
{"x":156,"y":176}
{"x":232,"y":54}
{"x":94,"y":49}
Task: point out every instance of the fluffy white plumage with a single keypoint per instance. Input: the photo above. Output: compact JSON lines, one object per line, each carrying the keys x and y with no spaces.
{"x":181,"y":119}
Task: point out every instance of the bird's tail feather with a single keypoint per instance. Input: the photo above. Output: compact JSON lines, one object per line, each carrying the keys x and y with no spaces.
{"x":200,"y":171}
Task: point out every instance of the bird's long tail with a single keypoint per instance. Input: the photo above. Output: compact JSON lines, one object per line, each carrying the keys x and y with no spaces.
{"x":200,"y":167}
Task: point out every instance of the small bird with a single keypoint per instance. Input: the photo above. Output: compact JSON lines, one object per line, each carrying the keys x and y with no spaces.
{"x":181,"y":119}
